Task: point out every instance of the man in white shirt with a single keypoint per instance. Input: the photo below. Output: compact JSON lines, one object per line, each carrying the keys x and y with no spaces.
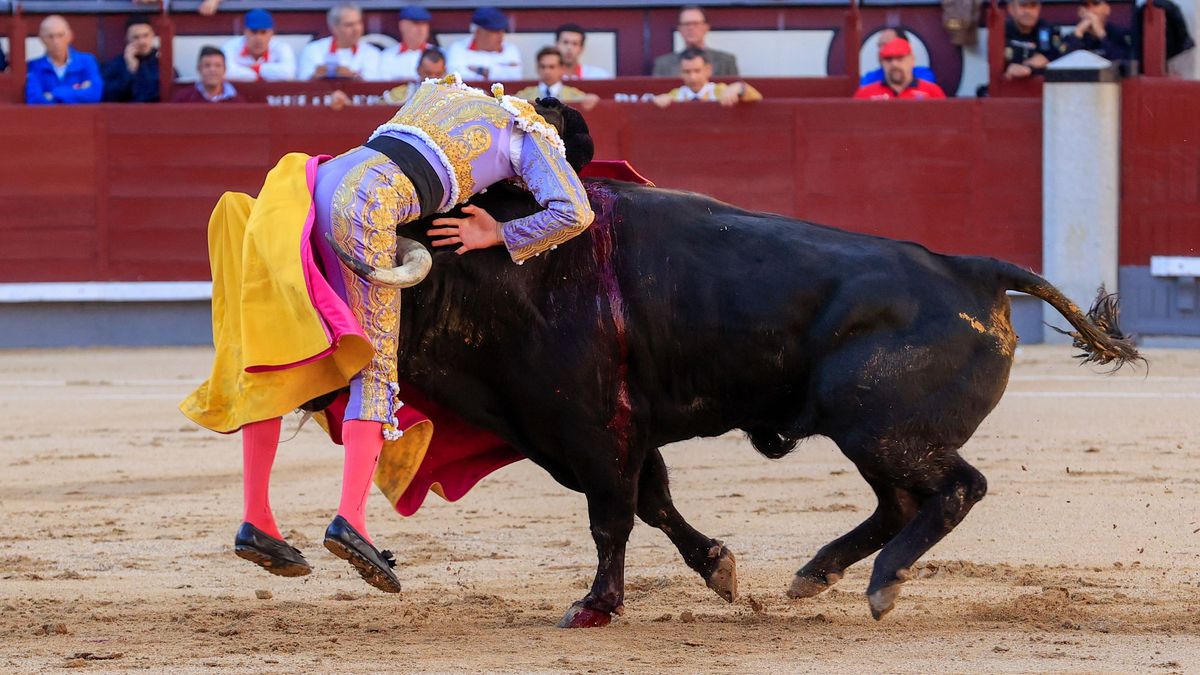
{"x":569,"y":39}
{"x":343,"y":55}
{"x":400,"y":62}
{"x":257,"y":56}
{"x":485,"y":56}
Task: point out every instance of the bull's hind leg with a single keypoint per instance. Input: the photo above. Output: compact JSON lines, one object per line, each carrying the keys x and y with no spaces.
{"x":955,"y":487}
{"x":896,"y":507}
{"x":708,"y":556}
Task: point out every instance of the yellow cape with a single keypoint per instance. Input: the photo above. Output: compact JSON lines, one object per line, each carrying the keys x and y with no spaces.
{"x":261,"y":310}
{"x":263,"y":315}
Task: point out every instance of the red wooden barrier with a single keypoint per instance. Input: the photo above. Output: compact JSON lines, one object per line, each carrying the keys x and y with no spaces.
{"x":771,"y":87}
{"x":1160,"y":169}
{"x":124,"y":192}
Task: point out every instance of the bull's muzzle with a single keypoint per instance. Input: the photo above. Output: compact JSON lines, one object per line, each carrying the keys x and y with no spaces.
{"x":415,"y":263}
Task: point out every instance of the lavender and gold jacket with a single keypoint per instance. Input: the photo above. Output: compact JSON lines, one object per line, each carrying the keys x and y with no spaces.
{"x":474,"y":140}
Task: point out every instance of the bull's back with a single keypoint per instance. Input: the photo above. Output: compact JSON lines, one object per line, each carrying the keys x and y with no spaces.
{"x":731,"y":312}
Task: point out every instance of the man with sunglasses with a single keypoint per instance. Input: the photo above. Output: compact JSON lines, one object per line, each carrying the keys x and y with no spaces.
{"x":1096,"y":34}
{"x":1029,"y":42}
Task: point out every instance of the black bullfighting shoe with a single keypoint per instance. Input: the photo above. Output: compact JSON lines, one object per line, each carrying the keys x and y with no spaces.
{"x":274,"y":555}
{"x":373,"y":565}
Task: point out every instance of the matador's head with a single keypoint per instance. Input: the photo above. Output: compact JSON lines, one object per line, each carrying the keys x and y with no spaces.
{"x":571,"y":127}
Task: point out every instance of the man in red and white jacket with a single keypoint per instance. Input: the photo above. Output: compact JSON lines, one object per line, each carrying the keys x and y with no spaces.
{"x":343,"y":55}
{"x":400,"y":62}
{"x":485,"y":55}
{"x":258,"y":56}
{"x":896,"y":57}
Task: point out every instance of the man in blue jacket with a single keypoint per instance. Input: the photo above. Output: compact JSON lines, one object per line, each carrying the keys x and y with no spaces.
{"x":133,"y":76}
{"x":63,"y":75}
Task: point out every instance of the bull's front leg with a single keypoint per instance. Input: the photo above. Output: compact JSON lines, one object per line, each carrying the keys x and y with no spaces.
{"x":610,"y":510}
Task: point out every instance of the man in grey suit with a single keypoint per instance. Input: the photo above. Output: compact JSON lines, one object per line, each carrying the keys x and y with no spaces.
{"x":693,"y":26}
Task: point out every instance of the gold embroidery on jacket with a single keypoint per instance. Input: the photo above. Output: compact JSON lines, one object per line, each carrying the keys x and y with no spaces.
{"x":372,"y":205}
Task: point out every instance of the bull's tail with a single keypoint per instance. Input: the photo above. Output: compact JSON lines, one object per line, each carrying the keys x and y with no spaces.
{"x":1097,"y":333}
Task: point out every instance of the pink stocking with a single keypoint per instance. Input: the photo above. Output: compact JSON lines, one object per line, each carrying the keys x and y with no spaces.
{"x":259,"y":442}
{"x":364,"y":441}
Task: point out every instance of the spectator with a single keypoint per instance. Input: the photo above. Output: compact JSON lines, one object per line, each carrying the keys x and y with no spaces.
{"x":402,"y":61}
{"x":344,"y":54}
{"x":257,"y":56}
{"x":885,"y":36}
{"x":133,"y":76}
{"x":1094,"y":33}
{"x":431,"y":65}
{"x":551,"y":69}
{"x":63,"y":75}
{"x":1178,"y":39}
{"x":693,"y":26}
{"x":897,"y":59}
{"x":569,"y":39}
{"x":485,"y":56}
{"x":212,"y":87}
{"x":697,"y":72}
{"x":1029,"y":42}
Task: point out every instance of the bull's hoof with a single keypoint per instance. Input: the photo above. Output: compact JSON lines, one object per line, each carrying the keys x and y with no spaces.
{"x":805,"y":586}
{"x":581,"y":616}
{"x":723,"y":579}
{"x":883,"y":600}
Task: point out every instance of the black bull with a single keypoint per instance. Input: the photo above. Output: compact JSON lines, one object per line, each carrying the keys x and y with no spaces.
{"x":676,"y":316}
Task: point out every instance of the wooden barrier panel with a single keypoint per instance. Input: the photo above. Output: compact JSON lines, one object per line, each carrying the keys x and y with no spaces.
{"x":1160,"y":169}
{"x":124,"y":192}
{"x":771,"y":87}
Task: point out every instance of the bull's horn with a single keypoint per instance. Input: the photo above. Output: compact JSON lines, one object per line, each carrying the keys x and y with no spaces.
{"x":415,"y":263}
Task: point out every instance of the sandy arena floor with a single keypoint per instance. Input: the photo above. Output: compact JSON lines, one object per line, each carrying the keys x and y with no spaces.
{"x":119,"y":519}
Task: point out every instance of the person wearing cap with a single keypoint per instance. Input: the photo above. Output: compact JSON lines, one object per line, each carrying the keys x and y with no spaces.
{"x":885,"y":36}
{"x":898,"y":80}
{"x":344,"y":54}
{"x":1030,"y":43}
{"x":485,"y":55}
{"x":400,"y":62}
{"x":550,"y":73}
{"x":1096,"y":34}
{"x":569,"y":39}
{"x":258,"y":56}
{"x":132,"y":77}
{"x":693,"y":28}
{"x":697,"y":73}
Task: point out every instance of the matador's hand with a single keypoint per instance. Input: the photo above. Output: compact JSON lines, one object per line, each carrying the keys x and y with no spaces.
{"x":478,"y":230}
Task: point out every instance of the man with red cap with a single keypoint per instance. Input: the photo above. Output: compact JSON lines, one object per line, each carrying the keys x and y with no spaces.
{"x":896,"y":57}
